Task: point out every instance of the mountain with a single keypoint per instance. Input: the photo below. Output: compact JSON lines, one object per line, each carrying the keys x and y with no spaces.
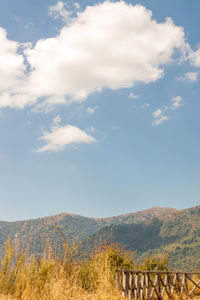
{"x":176,"y":234}
{"x":29,"y":233}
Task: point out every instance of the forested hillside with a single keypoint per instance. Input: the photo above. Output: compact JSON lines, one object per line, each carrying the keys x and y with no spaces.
{"x":176,"y":234}
{"x":154,"y":231}
{"x":30,"y":233}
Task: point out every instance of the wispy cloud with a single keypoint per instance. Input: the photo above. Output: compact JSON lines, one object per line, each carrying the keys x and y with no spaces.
{"x":195,"y":58}
{"x":145,"y":105}
{"x":59,"y":10}
{"x":92,"y":129}
{"x":177,"y":102}
{"x":133,"y":96}
{"x":60,"y":137}
{"x":159,"y":118}
{"x":157,"y":113}
{"x":57,"y":120}
{"x":189,"y":76}
{"x":77,"y":5}
{"x":91,"y":110}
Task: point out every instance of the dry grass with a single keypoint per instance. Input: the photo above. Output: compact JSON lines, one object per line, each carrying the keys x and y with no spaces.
{"x":66,"y":276}
{"x":62,"y":277}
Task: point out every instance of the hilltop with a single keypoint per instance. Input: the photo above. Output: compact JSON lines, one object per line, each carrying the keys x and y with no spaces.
{"x":153,"y":231}
{"x":30,"y":232}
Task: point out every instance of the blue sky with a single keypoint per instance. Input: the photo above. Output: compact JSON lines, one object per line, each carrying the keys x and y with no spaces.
{"x":99,"y":106}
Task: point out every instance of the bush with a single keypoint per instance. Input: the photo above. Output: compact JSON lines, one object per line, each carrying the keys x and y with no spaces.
{"x":67,"y":276}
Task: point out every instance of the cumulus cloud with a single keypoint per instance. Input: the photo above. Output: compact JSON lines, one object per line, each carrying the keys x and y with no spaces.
{"x":12,"y":70}
{"x":59,"y":10}
{"x":11,"y":63}
{"x":60,"y":137}
{"x":159,"y":118}
{"x":177,"y":102}
{"x":118,"y":50}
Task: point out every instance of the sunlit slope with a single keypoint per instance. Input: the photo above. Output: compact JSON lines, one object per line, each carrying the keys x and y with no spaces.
{"x":177,"y":234}
{"x":31,"y":232}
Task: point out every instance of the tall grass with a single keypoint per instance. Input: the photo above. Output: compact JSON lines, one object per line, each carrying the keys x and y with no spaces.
{"x":65,"y":275}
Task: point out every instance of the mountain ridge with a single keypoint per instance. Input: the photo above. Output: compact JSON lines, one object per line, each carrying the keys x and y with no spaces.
{"x":177,"y":235}
{"x":74,"y":226}
{"x":64,"y":213}
{"x":149,"y":232}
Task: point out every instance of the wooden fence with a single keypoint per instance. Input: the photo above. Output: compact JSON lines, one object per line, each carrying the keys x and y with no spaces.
{"x":157,"y":285}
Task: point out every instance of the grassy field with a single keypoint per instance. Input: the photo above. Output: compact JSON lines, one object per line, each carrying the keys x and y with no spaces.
{"x":66,"y":274}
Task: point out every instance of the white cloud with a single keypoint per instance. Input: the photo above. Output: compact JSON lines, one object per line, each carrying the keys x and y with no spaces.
{"x":61,"y":136}
{"x":189,"y":76}
{"x":177,"y":102}
{"x":91,"y":110}
{"x":192,"y":76}
{"x":133,"y":96}
{"x":118,"y":50}
{"x":157,"y":113}
{"x":48,"y":104}
{"x":160,"y":120}
{"x":12,"y":69}
{"x":59,"y":10}
{"x":195,"y":58}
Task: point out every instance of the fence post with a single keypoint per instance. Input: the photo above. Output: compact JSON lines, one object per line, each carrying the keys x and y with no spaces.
{"x":117,"y":280}
{"x":124,"y":284}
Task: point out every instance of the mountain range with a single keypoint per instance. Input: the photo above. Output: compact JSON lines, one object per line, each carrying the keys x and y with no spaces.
{"x":159,"y":230}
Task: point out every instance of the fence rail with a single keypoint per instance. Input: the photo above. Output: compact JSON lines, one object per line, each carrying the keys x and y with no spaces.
{"x":147,"y":285}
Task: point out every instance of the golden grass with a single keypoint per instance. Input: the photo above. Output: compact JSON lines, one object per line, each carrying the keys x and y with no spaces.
{"x":67,"y":275}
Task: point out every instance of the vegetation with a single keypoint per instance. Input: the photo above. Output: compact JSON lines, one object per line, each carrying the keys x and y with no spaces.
{"x":70,"y":269}
{"x":66,"y":275}
{"x":176,"y":234}
{"x":30,"y":232}
{"x":151,"y":232}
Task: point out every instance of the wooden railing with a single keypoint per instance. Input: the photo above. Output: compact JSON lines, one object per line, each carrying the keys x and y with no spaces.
{"x":157,"y":285}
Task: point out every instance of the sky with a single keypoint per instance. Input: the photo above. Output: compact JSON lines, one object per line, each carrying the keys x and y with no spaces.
{"x":99,"y":106}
